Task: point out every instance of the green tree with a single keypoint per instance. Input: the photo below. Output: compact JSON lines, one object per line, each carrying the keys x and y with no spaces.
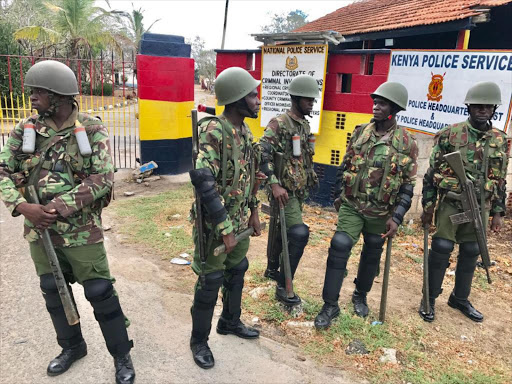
{"x":136,"y":27}
{"x":75,"y":25}
{"x":285,"y":22}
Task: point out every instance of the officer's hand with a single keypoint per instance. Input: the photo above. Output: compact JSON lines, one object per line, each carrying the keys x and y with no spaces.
{"x":497,"y":222}
{"x":426,"y":219}
{"x":254,"y":222}
{"x":337,"y":204}
{"x":280,"y":194}
{"x":391,"y":228}
{"x":229,"y":241}
{"x":39,"y":215}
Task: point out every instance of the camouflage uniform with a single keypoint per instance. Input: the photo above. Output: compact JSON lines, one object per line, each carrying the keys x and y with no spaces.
{"x":484,"y":154}
{"x":237,"y":201}
{"x":77,"y":188}
{"x":378,"y":171}
{"x":229,"y":155}
{"x":297,"y":177}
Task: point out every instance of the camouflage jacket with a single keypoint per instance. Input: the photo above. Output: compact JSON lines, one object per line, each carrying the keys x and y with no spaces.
{"x":237,"y":197}
{"x":77,"y":187}
{"x":473,"y":144}
{"x":374,"y":168}
{"x":298,"y":174}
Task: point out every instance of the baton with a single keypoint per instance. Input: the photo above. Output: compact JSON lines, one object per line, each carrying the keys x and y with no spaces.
{"x":239,"y":237}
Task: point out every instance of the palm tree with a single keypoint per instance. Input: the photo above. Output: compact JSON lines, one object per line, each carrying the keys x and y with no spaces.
{"x":136,"y":26}
{"x":75,"y":25}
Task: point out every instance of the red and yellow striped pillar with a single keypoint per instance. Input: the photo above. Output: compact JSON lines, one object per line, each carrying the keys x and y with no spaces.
{"x":165,"y":78}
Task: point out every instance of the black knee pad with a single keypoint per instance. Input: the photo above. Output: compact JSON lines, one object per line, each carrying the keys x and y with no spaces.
{"x":237,"y":275}
{"x":373,"y":241}
{"x":440,"y":245}
{"x":206,"y":296}
{"x":469,"y":249}
{"x":97,"y":290}
{"x":341,"y":242}
{"x":298,"y":234}
{"x":50,"y":292}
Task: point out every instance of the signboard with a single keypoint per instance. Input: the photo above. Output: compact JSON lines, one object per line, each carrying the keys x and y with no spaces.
{"x":280,"y":64}
{"x":437,"y":82}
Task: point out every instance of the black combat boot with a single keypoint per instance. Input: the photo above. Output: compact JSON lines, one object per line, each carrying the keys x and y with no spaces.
{"x":466,"y":308}
{"x":112,"y":322}
{"x":328,"y":313}
{"x":360,"y":306}
{"x":125,"y":373}
{"x":69,"y":337}
{"x":271,"y":274}
{"x":67,"y":357}
{"x":205,"y":299}
{"x":202,"y":353}
{"x":466,"y":264}
{"x":428,"y":316}
{"x":237,"y":328}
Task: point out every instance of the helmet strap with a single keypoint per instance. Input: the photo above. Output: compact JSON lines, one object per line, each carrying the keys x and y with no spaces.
{"x":243,"y":106}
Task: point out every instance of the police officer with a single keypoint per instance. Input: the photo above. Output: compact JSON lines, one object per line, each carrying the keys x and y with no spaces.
{"x":375,"y":188}
{"x":224,"y":178}
{"x":297,"y":174}
{"x":485,"y":156}
{"x":73,"y":177}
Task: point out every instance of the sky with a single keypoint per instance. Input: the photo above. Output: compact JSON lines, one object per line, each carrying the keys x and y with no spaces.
{"x":205,"y":18}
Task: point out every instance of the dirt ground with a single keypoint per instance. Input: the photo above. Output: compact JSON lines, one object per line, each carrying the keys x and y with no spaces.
{"x":470,"y":345}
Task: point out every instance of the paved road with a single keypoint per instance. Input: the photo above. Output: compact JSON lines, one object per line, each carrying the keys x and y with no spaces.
{"x":160,"y":329}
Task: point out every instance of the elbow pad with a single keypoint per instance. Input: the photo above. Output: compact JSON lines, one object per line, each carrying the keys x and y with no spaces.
{"x":405,"y":194}
{"x":203,"y":181}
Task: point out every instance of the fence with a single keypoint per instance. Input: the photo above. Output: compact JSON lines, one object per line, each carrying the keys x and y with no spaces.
{"x":108,"y":90}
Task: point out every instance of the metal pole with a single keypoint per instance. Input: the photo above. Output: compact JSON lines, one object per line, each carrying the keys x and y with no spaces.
{"x":225,"y":24}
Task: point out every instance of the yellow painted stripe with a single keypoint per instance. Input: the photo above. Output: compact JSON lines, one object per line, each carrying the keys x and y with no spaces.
{"x":465,"y":45}
{"x":331,"y":144}
{"x":165,"y":120}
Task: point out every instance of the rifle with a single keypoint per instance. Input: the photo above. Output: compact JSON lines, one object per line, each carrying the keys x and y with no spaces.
{"x":65,"y":296}
{"x":470,"y":206}
{"x":288,"y":281}
{"x":385,"y":281}
{"x":201,"y":243}
{"x":426,"y":294}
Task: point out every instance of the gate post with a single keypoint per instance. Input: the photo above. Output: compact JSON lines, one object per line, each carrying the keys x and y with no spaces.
{"x":165,"y":80}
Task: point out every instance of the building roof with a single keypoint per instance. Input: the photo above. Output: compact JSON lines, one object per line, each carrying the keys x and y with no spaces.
{"x":367,"y":16}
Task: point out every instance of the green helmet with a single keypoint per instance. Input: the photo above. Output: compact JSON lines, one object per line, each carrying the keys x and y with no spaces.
{"x":233,"y":84}
{"x":394,"y":92}
{"x":485,"y":92}
{"x":304,"y":86}
{"x":53,"y":76}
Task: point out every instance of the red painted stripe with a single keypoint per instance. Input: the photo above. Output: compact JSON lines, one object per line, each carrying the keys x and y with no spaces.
{"x":348,"y":102}
{"x":161,"y":93}
{"x":157,"y":63}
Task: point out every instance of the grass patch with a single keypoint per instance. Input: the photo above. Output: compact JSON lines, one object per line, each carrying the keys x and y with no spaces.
{"x":159,"y":221}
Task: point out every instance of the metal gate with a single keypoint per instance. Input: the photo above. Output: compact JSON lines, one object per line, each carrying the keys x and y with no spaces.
{"x":108,"y":90}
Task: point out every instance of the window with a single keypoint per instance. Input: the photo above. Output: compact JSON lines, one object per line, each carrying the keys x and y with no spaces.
{"x":369,"y":64}
{"x":346,"y":82}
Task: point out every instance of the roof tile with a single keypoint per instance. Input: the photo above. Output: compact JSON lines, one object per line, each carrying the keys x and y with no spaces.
{"x":380,"y":15}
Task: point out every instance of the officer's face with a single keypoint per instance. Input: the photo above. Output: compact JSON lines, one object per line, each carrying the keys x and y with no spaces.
{"x":481,"y":113}
{"x":40,"y":99}
{"x":306,"y":104}
{"x":381,"y":109}
{"x":253,"y":103}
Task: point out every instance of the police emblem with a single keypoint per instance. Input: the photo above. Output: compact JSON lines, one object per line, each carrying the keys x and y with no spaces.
{"x":292,"y":63}
{"x":435,"y":88}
